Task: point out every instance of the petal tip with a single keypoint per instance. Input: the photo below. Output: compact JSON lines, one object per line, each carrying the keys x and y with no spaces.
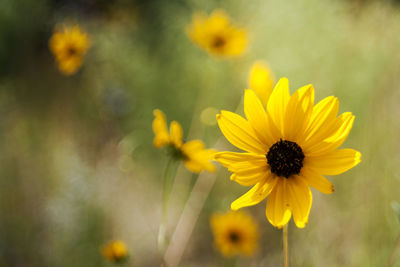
{"x":233,"y":207}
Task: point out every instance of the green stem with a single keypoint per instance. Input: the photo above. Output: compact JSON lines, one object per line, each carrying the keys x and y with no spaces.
{"x":285,"y":246}
{"x":392,"y":254}
{"x":169,"y":175}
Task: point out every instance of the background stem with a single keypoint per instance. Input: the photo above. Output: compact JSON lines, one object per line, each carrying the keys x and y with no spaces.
{"x":169,"y":175}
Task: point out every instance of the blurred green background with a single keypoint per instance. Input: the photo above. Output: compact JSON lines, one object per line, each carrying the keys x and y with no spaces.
{"x":77,"y":164}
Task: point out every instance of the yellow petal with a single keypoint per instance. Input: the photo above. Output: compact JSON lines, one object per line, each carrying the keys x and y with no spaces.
{"x":256,"y":194}
{"x":335,"y":131}
{"x":192,"y":146}
{"x":298,"y":113}
{"x":248,"y":180}
{"x":278,"y":210}
{"x":261,"y":81}
{"x":203,"y":159}
{"x":334,"y":162}
{"x":255,"y":113}
{"x":300,"y":199}
{"x":160,"y":129}
{"x":228,"y":158}
{"x":198,"y":158}
{"x":337,"y":138}
{"x":323,"y":113}
{"x":277,"y":103}
{"x":239,"y":132}
{"x":249,"y":168}
{"x":176,"y":133}
{"x":193,"y":166}
{"x":316,"y":180}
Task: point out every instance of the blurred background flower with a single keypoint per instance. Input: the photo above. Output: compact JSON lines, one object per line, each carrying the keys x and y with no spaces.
{"x":235,"y":233}
{"x":69,"y":45}
{"x":217,"y":35}
{"x":115,"y":251}
{"x":192,"y":153}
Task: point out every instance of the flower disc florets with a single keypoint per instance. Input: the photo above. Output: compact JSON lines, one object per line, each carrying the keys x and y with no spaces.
{"x":234,"y":237}
{"x":176,"y":152}
{"x":285,"y":158}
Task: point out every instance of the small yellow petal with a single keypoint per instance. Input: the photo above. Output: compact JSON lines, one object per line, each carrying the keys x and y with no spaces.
{"x":198,"y":158}
{"x":160,"y":129}
{"x":176,"y":133}
{"x":201,"y":160}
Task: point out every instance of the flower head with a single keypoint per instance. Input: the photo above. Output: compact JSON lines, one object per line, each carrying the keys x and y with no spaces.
{"x":261,"y":80}
{"x":115,"y":251}
{"x":289,"y":146}
{"x":217,"y":35}
{"x":69,"y":45}
{"x":192,"y":153}
{"x":235,"y":233}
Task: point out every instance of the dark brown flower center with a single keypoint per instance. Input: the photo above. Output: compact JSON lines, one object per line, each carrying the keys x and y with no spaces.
{"x":176,"y":152}
{"x":234,"y":237}
{"x":72,"y":51}
{"x":218,"y":42}
{"x":285,"y":158}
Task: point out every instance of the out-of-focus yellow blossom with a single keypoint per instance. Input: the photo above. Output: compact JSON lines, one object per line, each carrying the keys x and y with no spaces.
{"x":192,"y":153}
{"x":217,"y":35}
{"x":69,"y":45}
{"x":261,"y":80}
{"x":235,"y":233}
{"x":115,"y":251}
{"x":290,"y":145}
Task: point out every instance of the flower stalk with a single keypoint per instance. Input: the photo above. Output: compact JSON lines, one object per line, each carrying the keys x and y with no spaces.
{"x":168,"y":177}
{"x":285,"y":246}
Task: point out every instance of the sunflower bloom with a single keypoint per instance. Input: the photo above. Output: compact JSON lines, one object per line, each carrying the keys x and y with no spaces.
{"x":69,"y":45}
{"x":217,"y":35}
{"x":261,"y":80}
{"x":115,"y":251}
{"x":235,"y":233}
{"x":290,"y":145}
{"x":192,"y":153}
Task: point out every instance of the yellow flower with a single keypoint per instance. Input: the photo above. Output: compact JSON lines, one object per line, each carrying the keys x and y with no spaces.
{"x":115,"y":251}
{"x":235,"y":233}
{"x":69,"y":45}
{"x":192,"y":153}
{"x":290,"y":146}
{"x":261,"y":80}
{"x":217,"y":35}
